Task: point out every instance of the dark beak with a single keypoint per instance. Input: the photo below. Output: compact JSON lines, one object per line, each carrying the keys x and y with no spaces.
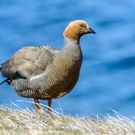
{"x":91,"y":31}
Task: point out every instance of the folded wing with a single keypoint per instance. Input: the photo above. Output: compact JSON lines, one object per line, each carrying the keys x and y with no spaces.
{"x":27,"y":62}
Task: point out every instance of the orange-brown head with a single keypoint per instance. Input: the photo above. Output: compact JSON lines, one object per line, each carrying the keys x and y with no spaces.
{"x":76,"y":29}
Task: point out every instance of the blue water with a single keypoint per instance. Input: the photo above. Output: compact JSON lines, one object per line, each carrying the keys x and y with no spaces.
{"x":107,"y":80}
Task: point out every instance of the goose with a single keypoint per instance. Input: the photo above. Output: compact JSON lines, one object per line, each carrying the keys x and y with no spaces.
{"x":47,"y":73}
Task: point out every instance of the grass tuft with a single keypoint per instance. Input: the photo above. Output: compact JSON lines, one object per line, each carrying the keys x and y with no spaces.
{"x":26,"y":122}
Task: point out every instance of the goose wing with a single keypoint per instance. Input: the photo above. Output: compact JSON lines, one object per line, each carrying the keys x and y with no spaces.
{"x":27,"y":62}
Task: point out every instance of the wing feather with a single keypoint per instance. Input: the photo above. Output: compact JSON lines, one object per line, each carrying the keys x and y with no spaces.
{"x":28,"y":62}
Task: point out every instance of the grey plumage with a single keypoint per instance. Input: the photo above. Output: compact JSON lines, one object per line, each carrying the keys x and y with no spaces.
{"x":44,"y":72}
{"x":27,"y":62}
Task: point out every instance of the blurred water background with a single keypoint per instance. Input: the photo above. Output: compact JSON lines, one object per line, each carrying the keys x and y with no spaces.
{"x":107,"y":80}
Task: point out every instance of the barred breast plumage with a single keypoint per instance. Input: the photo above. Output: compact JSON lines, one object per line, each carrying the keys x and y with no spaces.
{"x":58,"y":75}
{"x":44,"y":72}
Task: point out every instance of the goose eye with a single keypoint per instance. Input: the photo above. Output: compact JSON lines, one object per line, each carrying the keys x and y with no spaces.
{"x":82,"y":25}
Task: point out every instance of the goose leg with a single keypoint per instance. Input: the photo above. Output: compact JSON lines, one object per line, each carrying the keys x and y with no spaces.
{"x":38,"y":108}
{"x":49,"y":105}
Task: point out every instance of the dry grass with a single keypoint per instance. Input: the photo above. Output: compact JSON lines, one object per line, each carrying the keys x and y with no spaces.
{"x":26,"y":122}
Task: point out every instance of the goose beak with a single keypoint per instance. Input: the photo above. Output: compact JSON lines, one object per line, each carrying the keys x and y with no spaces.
{"x":91,"y":31}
